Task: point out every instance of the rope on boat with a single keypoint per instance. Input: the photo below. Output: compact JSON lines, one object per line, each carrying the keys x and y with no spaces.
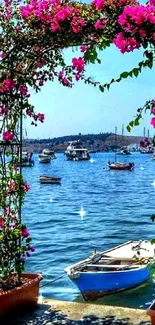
{"x":47,"y":282}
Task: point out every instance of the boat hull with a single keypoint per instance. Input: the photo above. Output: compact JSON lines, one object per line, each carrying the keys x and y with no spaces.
{"x":127,"y":167}
{"x":96,"y":285}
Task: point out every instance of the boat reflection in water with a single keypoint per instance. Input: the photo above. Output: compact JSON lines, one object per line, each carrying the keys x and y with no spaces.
{"x":75,"y":151}
{"x":123,"y":267}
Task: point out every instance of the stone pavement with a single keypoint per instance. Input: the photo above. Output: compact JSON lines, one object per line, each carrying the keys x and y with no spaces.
{"x":55,"y":312}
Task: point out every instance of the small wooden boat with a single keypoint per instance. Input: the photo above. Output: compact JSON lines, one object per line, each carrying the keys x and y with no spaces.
{"x":50,"y":180}
{"x":123,"y":267}
{"x":121,"y":166}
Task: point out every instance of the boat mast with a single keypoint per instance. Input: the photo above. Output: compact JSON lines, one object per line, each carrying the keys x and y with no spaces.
{"x":144,"y":131}
{"x":122,"y":133}
{"x":115,"y":143}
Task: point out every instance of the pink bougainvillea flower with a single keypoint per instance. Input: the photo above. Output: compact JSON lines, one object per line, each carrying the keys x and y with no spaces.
{"x":23,"y":90}
{"x":32,"y":249}
{"x":25,"y":187}
{"x":126,"y":44}
{"x":25,"y":233}
{"x":153,"y":110}
{"x":2,"y":55}
{"x":83,"y":48}
{"x":41,"y":117}
{"x":3,"y":110}
{"x":8,"y":136}
{"x":1,"y":222}
{"x":12,"y":186}
{"x":9,"y":84}
{"x":153,"y":122}
{"x":99,"y":4}
{"x":100,"y":24}
{"x":78,"y":64}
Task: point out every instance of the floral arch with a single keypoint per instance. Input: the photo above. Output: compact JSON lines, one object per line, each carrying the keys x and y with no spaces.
{"x":33,"y":36}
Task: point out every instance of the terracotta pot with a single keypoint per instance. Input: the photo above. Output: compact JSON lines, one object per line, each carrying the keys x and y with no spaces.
{"x":151,"y":313}
{"x":22,"y":296}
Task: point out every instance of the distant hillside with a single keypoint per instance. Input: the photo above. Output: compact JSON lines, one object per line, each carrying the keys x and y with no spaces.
{"x":97,"y":142}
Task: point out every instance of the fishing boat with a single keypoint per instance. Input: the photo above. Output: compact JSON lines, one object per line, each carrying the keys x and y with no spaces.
{"x":50,"y":179}
{"x":49,"y":152}
{"x":120,"y":268}
{"x":75,"y":151}
{"x":121,"y":166}
{"x":27,"y":160}
{"x":44,"y":158}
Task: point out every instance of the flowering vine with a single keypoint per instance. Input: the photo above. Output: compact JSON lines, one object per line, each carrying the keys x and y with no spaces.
{"x":33,"y":37}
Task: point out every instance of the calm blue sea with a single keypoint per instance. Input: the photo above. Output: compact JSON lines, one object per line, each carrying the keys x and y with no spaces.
{"x":117,"y":207}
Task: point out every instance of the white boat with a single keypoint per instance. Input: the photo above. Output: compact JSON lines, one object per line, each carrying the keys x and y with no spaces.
{"x":49,"y":152}
{"x":153,"y":156}
{"x":120,"y":268}
{"x":27,"y":160}
{"x":124,"y":152}
{"x":50,"y":179}
{"x":44,"y":158}
{"x":76,"y":152}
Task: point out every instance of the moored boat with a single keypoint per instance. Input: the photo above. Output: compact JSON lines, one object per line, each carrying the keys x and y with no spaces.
{"x":123,"y":267}
{"x":124,"y":152}
{"x":27,"y":160}
{"x":75,"y":151}
{"x":49,"y":152}
{"x":44,"y":158}
{"x":121,"y":166}
{"x":50,"y":179}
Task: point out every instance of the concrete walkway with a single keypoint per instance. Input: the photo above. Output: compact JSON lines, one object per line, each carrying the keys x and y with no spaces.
{"x":55,"y":312}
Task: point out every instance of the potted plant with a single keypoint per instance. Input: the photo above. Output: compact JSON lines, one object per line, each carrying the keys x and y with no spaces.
{"x":151,"y":312}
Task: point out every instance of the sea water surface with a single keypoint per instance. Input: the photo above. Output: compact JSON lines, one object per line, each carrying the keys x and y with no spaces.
{"x":92,"y":208}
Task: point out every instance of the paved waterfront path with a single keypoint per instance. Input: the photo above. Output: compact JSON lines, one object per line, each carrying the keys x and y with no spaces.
{"x":54,"y":312}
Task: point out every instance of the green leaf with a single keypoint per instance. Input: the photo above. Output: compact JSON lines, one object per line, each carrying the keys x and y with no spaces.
{"x":124,"y":74}
{"x":131,"y":123}
{"x":128,"y":128}
{"x":153,"y":241}
{"x":101,"y":88}
{"x":136,"y":72}
{"x":136,"y":121}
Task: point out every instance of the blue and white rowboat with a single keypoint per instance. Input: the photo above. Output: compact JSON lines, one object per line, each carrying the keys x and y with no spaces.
{"x":123,"y":267}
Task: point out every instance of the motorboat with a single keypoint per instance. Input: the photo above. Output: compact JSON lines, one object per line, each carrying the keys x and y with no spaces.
{"x":124,"y":152}
{"x":49,"y":152}
{"x":26,"y":160}
{"x":149,"y":150}
{"x":120,"y":268}
{"x":44,"y":158}
{"x":121,"y":166}
{"x":153,"y":156}
{"x":50,"y":179}
{"x":75,"y":151}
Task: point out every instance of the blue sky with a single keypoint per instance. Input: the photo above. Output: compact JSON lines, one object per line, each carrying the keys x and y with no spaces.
{"x":85,"y":109}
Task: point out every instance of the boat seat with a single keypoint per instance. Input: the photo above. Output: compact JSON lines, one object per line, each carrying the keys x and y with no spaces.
{"x":111,"y":266}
